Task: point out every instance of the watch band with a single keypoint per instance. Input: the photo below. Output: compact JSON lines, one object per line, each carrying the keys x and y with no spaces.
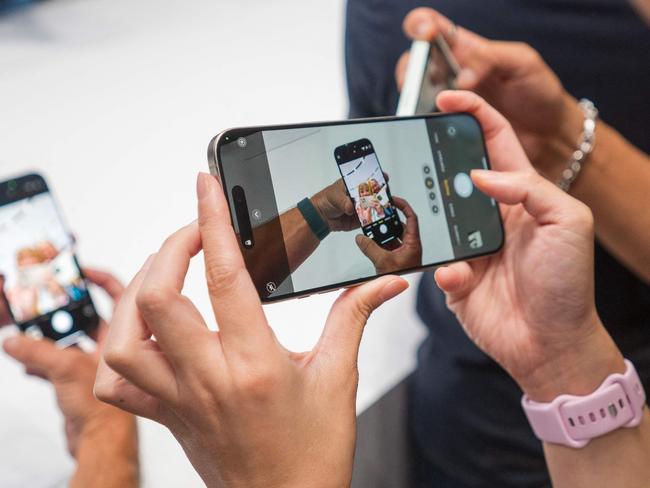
{"x":575,"y":420}
{"x":317,"y":225}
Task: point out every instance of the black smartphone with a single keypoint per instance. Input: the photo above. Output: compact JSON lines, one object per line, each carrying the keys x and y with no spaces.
{"x":290,"y":199}
{"x":368,"y":189}
{"x":431,"y":69}
{"x":42,"y":283}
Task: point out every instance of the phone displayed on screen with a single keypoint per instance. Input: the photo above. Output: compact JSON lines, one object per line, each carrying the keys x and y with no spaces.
{"x":417,"y":209}
{"x":42,"y":284}
{"x":368,"y":189}
{"x":431,"y":69}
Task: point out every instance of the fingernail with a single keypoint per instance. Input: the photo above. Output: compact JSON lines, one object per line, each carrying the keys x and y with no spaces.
{"x":466,"y":78}
{"x":202,"y":185}
{"x":392,"y":289}
{"x":11,"y":344}
{"x":422,"y":29}
{"x":485,"y":174}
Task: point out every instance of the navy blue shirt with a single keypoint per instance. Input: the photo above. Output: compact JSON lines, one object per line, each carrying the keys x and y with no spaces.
{"x":465,"y":412}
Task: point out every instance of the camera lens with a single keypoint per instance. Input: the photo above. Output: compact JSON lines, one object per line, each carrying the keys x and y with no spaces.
{"x":242,"y":142}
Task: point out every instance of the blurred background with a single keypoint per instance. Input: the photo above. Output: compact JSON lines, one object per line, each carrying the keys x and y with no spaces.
{"x":114,"y":102}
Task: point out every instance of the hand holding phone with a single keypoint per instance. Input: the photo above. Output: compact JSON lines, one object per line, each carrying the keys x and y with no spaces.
{"x":44,"y":290}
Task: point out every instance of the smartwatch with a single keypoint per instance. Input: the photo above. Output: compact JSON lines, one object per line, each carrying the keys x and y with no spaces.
{"x":316,"y":223}
{"x":574,"y":420}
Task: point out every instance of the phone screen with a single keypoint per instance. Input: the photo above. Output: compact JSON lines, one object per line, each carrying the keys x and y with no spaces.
{"x":417,"y":208}
{"x":368,"y":189}
{"x":40,"y":277}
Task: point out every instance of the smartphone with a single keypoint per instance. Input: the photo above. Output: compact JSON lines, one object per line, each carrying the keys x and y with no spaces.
{"x":368,"y":189}
{"x":431,"y":69}
{"x":282,"y":181}
{"x":42,"y":284}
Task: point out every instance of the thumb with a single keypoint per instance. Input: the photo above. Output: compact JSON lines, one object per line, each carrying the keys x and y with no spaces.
{"x":370,"y":248}
{"x":38,"y":356}
{"x":347,"y":318}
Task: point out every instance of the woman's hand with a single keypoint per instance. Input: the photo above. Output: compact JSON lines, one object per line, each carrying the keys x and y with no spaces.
{"x":514,"y":78}
{"x":404,"y":256}
{"x":246,"y":411}
{"x":531,"y":307}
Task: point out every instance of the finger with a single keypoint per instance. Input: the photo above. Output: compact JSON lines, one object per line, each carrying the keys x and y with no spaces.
{"x":340,"y":199}
{"x":113,"y":389}
{"x":129,"y":350}
{"x":456,"y":279}
{"x":544,"y":201}
{"x":38,"y":356}
{"x":347,"y":318}
{"x":371,"y":249}
{"x":412,"y":228}
{"x":229,"y":284}
{"x":400,"y":69}
{"x":106,"y":281}
{"x":504,"y":149}
{"x":177,"y":326}
{"x":425,"y":24}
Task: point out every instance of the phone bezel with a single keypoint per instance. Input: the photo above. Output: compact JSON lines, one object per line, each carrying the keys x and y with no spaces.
{"x":91,"y":322}
{"x":232,"y":134}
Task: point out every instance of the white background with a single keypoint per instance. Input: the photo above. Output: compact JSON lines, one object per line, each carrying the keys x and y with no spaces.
{"x":115,"y":102}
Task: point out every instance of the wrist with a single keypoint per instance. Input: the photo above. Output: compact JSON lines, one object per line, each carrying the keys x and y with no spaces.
{"x":560,"y":145}
{"x":578,"y":370}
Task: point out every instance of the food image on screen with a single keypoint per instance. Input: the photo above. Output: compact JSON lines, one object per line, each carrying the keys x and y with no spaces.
{"x":36,"y":259}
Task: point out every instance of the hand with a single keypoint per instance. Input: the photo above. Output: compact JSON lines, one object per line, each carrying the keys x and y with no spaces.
{"x":531,"y":307}
{"x":335,"y":207}
{"x":514,"y":78}
{"x":406,"y":255}
{"x":72,"y":374}
{"x":246,"y":411}
{"x":5,"y":316}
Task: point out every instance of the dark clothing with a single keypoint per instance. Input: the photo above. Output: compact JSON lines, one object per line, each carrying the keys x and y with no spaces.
{"x":465,"y":412}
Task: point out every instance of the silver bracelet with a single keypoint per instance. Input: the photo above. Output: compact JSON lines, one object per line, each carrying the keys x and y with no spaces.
{"x":585,"y":146}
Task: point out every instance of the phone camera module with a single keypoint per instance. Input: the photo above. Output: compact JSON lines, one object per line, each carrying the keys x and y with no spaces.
{"x":242,"y":142}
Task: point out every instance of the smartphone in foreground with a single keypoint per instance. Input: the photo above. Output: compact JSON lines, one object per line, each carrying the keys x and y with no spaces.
{"x":314,"y":210}
{"x":431,"y":69}
{"x":44,"y":288}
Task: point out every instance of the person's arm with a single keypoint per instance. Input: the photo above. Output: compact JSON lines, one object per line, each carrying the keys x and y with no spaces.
{"x":107,"y":454}
{"x":531,"y":307}
{"x":516,"y":81}
{"x":297,"y":241}
{"x":614,"y":183}
{"x":102,"y":439}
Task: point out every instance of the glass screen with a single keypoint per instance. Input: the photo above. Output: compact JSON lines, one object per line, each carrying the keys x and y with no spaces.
{"x":42,"y":283}
{"x":333,"y":204}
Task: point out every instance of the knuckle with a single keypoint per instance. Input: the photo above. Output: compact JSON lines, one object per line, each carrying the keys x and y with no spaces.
{"x":119,"y":358}
{"x":221,"y":275}
{"x":152,"y":298}
{"x":257,"y":385}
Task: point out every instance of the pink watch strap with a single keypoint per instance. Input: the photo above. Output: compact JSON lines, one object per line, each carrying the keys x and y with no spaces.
{"x":575,"y":420}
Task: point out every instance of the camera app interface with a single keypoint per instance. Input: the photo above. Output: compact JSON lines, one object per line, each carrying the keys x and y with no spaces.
{"x":40,"y":278}
{"x":369,"y":191}
{"x":333,"y":204}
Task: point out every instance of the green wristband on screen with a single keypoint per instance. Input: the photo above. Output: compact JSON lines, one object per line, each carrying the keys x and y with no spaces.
{"x":317,"y":225}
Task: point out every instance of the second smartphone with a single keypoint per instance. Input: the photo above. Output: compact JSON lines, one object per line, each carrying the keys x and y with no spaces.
{"x":315,"y":210}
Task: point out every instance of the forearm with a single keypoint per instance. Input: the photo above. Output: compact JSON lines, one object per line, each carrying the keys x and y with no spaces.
{"x":621,"y":459}
{"x":613,"y":182}
{"x":107,"y":455}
